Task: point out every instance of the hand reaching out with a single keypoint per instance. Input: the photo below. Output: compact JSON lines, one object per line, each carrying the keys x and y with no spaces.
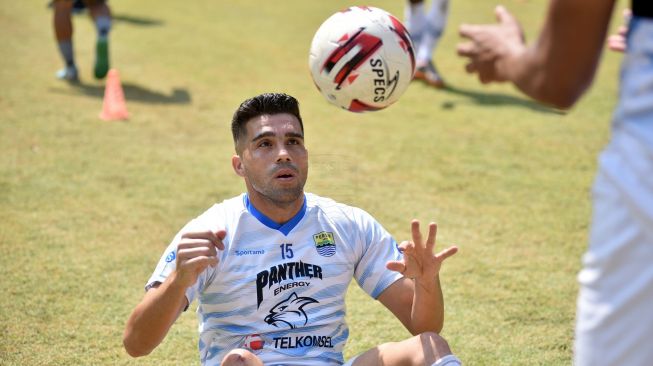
{"x":195,"y":252}
{"x":491,"y":45}
{"x":419,"y":261}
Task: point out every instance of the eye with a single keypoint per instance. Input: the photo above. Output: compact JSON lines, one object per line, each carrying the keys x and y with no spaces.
{"x":294,"y":141}
{"x":264,"y":143}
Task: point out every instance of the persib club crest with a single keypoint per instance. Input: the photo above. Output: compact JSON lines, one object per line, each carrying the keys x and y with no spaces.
{"x":325,"y":244}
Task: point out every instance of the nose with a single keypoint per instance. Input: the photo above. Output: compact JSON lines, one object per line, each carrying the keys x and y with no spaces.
{"x":283,"y":154}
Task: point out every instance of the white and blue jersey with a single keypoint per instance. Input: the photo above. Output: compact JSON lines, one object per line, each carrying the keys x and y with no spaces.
{"x":279,"y":290}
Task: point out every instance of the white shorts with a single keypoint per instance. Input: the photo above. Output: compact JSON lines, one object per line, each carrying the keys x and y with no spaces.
{"x":614,"y":324}
{"x":448,"y":360}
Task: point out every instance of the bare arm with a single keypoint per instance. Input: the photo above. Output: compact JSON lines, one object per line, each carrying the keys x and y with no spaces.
{"x":154,"y":315}
{"x":419,"y":308}
{"x":416,"y":300}
{"x":558,"y":67}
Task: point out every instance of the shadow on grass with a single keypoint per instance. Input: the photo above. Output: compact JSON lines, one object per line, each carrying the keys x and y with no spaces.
{"x":496,"y":99}
{"x":141,"y":21}
{"x":79,"y":8}
{"x":132,"y":92}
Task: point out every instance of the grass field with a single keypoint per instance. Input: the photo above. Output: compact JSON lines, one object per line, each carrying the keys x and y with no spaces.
{"x":87,"y":207}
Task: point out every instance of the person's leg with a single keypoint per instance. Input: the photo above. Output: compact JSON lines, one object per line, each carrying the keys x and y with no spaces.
{"x":425,"y":349}
{"x":63,"y":31}
{"x":415,"y":20}
{"x":101,"y":14}
{"x":241,"y":357}
{"x":436,"y":20}
{"x":614,"y":321}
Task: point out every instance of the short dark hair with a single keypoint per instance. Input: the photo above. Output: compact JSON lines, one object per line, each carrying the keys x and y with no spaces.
{"x":267,"y":103}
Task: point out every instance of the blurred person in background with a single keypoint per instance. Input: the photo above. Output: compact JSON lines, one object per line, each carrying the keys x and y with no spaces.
{"x":614,"y":322}
{"x":63,"y":30}
{"x":426,"y":28}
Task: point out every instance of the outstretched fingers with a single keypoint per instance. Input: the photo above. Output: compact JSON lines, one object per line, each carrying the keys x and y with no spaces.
{"x":396,"y":266}
{"x":470,"y":31}
{"x":429,"y":244}
{"x":405,"y":247}
{"x":416,"y":234}
{"x":430,"y":240}
{"x":446,"y":253}
{"x":466,"y":49}
{"x":504,"y":16}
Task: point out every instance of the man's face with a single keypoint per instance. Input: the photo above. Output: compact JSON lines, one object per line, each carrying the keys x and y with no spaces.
{"x":273,"y":159}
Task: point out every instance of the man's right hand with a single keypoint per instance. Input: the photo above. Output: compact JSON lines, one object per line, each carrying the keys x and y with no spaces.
{"x":154,"y":315}
{"x":195,"y":252}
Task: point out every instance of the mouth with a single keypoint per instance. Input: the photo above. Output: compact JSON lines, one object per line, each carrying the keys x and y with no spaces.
{"x":285,"y":174}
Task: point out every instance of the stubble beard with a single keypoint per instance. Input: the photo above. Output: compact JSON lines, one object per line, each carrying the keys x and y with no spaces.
{"x":281,"y":197}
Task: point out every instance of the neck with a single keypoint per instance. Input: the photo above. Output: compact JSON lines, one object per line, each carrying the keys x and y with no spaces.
{"x":279,"y":212}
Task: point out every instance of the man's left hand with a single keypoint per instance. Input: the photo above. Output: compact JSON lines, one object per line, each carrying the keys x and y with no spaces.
{"x":419,"y":261}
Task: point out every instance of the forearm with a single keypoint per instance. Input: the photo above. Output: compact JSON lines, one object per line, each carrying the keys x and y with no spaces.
{"x":427,"y":314}
{"x":561,"y":64}
{"x":152,"y":318}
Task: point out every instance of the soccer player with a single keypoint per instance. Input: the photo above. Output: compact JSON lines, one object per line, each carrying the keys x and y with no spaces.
{"x":614,"y":322}
{"x":63,"y":30}
{"x":270,"y":268}
{"x":426,"y":28}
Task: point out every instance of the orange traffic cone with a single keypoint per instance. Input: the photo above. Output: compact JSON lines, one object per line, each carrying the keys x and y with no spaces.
{"x":113,"y":107}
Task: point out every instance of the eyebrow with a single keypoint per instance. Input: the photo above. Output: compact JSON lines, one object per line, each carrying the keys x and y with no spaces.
{"x":271,"y":134}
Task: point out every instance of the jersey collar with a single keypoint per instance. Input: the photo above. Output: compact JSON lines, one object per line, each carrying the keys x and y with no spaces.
{"x":283,"y":228}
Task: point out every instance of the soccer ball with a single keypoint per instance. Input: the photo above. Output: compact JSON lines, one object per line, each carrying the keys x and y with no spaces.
{"x":362,"y":59}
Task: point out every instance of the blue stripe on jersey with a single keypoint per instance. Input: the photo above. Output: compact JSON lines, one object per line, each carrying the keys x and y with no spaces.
{"x":211,"y":352}
{"x":284,"y":228}
{"x":219,"y":298}
{"x":340,"y":338}
{"x":227,"y":314}
{"x":382,"y":285}
{"x":328,"y":316}
{"x":234,"y":328}
{"x":332,"y":292}
{"x":369,"y":271}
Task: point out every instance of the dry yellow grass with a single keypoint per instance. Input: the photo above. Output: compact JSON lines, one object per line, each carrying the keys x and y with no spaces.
{"x":86,"y":206}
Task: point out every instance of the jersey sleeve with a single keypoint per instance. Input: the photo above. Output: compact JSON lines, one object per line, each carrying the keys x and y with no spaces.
{"x":168,"y":261}
{"x":378,"y":247}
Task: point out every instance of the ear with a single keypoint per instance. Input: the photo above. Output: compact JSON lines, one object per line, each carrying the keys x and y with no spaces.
{"x":237,"y":164}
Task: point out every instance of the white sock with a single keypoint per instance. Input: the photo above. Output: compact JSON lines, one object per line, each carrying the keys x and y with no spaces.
{"x":67,"y":53}
{"x":435,"y":21}
{"x":448,"y":360}
{"x":415,"y":21}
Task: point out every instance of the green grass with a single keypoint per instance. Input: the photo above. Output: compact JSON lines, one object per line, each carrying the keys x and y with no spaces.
{"x":87,"y":207}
